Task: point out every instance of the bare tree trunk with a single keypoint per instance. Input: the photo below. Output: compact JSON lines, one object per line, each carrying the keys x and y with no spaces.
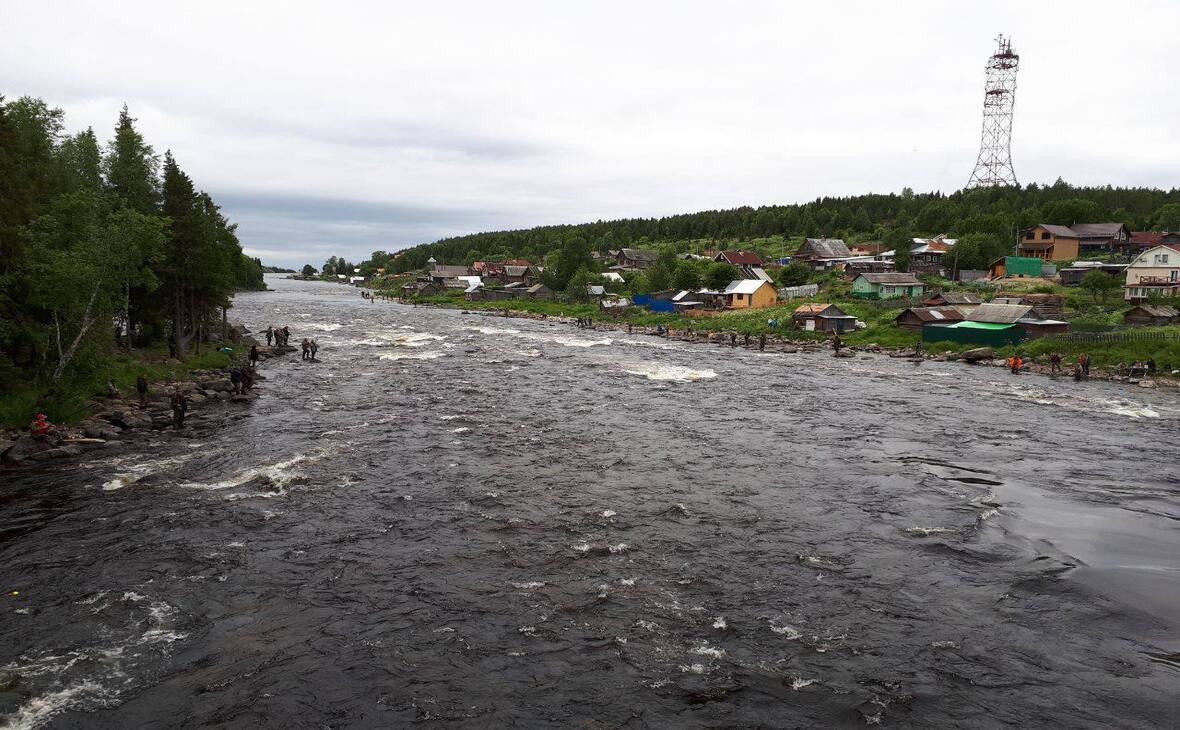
{"x":63,"y":358}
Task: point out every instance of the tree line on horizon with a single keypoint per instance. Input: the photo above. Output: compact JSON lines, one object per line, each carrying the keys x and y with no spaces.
{"x":103,"y":247}
{"x":985,"y":221}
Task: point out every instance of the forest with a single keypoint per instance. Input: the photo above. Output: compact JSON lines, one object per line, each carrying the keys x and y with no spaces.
{"x":985,"y":220}
{"x":104,"y":248}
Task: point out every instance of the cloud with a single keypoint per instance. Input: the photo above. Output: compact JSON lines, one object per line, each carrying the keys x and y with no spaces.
{"x":336,"y":130}
{"x":292,"y":230}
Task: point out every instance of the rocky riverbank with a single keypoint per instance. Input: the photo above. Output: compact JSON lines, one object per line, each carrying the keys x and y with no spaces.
{"x":123,"y":419}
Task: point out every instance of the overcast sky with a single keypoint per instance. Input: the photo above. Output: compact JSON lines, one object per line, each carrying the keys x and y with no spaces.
{"x":345,"y":127}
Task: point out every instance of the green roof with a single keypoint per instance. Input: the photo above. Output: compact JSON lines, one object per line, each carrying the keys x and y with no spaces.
{"x":979,"y":326}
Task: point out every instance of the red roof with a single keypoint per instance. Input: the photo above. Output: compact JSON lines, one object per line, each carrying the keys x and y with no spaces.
{"x":1150,"y":238}
{"x":742,"y":258}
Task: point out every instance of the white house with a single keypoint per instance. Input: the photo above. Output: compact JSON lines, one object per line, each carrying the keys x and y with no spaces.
{"x":1155,"y":272}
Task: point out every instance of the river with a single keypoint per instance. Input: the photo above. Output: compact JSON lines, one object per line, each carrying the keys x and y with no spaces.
{"x":481,"y":521}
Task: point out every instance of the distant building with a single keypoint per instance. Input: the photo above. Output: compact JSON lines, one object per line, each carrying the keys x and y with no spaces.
{"x":822,"y":253}
{"x":887,"y":286}
{"x":1142,"y":240}
{"x":750,"y":294}
{"x":539,"y":291}
{"x":636,"y":258}
{"x":1064,"y":243}
{"x":1153,"y":273}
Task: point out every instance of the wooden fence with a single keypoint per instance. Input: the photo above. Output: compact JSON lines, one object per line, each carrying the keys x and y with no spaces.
{"x":1117,"y":337}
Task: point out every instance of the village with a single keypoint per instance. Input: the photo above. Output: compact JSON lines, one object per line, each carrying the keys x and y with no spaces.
{"x":1098,"y":287}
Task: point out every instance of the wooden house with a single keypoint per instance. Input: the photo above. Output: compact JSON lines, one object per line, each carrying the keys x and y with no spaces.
{"x":1151,"y":315}
{"x":822,"y":317}
{"x":952,"y":298}
{"x":822,"y":253}
{"x":1064,"y":243}
{"x":636,"y":258}
{"x":538,"y":291}
{"x":751,"y":294}
{"x":887,"y":286}
{"x":915,"y":318}
{"x":1153,"y":273}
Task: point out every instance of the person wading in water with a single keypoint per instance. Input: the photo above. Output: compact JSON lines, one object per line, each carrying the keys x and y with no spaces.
{"x":314,"y":349}
{"x":306,"y":345}
{"x":179,"y":408}
{"x":270,"y":335}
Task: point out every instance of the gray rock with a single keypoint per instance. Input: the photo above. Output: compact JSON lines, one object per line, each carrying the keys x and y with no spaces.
{"x":979,"y":353}
{"x":844,"y":353}
{"x":59,"y":452}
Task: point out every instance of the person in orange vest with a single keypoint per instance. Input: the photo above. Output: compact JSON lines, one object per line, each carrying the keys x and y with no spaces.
{"x":1013,"y":364}
{"x":40,"y":426}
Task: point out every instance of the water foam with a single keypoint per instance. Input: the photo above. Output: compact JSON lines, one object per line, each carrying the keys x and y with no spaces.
{"x":670,"y":373}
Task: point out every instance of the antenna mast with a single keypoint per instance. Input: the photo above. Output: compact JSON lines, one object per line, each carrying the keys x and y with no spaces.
{"x":994,"y":166}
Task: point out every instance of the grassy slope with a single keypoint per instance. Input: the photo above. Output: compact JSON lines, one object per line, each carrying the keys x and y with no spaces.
{"x":71,"y":401}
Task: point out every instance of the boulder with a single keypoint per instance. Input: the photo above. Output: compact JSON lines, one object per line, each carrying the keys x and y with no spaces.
{"x":99,"y":430}
{"x":844,"y":353}
{"x":59,"y":452}
{"x":221,"y":385}
{"x":979,"y":353}
{"x":128,"y":418}
{"x":243,"y":397}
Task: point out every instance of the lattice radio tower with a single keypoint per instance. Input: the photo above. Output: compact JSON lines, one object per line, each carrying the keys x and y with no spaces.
{"x":994,"y":166}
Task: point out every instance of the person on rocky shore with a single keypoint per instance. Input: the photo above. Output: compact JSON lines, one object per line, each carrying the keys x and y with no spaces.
{"x":179,"y":408}
{"x":235,"y":379}
{"x":247,"y":379}
{"x":253,"y":355}
{"x":112,"y":390}
{"x":270,"y":335}
{"x":141,"y":387}
{"x":1054,"y":364}
{"x":761,"y":342}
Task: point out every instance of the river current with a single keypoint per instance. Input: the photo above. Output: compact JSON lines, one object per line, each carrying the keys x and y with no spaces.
{"x":477,"y":521}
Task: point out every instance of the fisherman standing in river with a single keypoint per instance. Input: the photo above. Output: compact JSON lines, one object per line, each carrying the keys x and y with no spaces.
{"x":253,"y":355}
{"x":179,"y":408}
{"x":270,"y":335}
{"x":306,"y":347}
{"x":314,"y":347}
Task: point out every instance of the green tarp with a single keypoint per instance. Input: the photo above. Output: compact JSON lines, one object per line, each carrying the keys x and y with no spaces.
{"x":974,"y":333}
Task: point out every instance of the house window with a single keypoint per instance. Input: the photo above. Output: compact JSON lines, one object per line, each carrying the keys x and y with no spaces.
{"x":1044,"y":235}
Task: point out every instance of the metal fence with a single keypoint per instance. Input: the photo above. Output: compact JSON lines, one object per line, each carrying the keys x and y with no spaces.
{"x":1116,"y":337}
{"x":795,"y":292}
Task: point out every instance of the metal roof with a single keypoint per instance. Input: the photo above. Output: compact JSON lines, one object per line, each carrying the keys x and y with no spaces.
{"x":824,"y":248}
{"x":1000,"y":313}
{"x":891,"y":277}
{"x":1157,"y":310}
{"x":934,"y":314}
{"x":741,"y":258}
{"x":744,"y":286}
{"x":970,"y":325}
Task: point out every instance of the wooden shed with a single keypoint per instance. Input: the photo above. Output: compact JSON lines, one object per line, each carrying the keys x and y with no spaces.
{"x":1151,"y":315}
{"x":915,"y":317}
{"x":822,"y":317}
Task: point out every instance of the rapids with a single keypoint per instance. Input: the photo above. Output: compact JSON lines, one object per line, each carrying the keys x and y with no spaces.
{"x":483,"y":522}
